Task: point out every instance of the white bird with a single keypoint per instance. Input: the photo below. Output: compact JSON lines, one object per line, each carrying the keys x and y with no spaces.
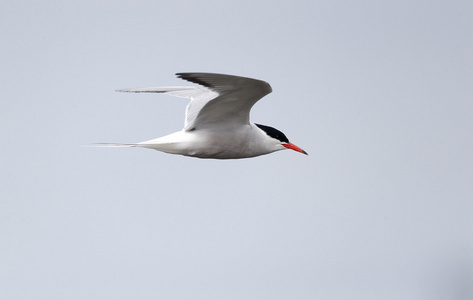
{"x":217,"y":123}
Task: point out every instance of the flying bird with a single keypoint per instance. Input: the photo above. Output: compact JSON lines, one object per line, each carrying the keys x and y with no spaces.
{"x":217,"y":122}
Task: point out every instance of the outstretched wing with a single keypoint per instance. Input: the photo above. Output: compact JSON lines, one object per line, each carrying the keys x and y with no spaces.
{"x":220,"y":100}
{"x":236,"y":96}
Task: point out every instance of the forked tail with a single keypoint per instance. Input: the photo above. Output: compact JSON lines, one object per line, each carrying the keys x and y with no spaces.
{"x":112,"y":145}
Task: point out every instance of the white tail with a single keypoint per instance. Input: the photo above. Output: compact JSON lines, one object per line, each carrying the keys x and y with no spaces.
{"x":112,"y":145}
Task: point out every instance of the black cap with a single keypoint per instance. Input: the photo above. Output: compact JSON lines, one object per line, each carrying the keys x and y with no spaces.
{"x":274,"y":133}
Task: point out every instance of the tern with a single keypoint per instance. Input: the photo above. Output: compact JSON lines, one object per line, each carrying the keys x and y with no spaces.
{"x":217,"y":122}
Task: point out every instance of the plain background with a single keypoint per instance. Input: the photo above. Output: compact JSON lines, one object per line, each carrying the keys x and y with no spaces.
{"x":379,"y":93}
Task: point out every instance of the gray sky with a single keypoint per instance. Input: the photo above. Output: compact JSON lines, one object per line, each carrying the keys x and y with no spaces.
{"x":378,"y":92}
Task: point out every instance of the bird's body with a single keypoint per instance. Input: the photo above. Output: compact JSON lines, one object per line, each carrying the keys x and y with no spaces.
{"x":214,"y":143}
{"x":217,"y":119}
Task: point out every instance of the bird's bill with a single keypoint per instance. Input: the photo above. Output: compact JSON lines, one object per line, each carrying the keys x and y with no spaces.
{"x":294,"y":147}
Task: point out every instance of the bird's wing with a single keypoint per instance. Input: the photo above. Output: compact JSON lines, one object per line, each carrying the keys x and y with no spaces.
{"x":199,"y":96}
{"x":231,"y":107}
{"x":219,"y":100}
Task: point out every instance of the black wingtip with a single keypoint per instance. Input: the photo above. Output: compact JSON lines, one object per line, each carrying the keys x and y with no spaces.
{"x":193,"y":77}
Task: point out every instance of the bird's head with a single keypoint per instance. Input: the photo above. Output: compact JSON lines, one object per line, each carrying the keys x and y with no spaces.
{"x":280,"y":138}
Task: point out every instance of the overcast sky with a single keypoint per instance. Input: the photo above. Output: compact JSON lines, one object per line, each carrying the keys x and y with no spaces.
{"x":379,"y":93}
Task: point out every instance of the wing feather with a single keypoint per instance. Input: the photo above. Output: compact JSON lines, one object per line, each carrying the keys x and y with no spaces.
{"x":236,"y":97}
{"x":219,"y":100}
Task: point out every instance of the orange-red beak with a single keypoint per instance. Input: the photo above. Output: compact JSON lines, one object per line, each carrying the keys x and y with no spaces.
{"x":294,"y":147}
